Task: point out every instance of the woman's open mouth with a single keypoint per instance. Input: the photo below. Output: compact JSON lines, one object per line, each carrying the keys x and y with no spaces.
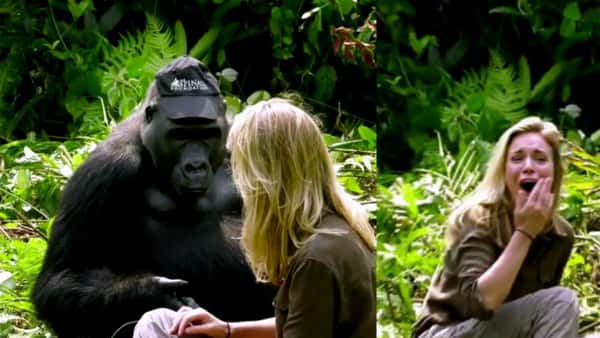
{"x":528,"y":185}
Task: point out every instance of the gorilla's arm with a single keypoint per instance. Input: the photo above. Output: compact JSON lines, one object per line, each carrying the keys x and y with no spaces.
{"x":79,"y":287}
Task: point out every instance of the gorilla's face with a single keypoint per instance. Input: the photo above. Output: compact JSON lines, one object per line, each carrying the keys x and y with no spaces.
{"x":185,"y":151}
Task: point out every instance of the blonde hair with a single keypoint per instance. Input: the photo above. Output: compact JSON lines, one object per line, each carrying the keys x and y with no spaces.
{"x":285,"y":176}
{"x":489,"y":204}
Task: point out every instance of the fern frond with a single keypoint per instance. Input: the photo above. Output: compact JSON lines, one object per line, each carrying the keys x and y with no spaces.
{"x":454,"y":109}
{"x":157,"y":37}
{"x":129,"y":46}
{"x":505,"y":89}
{"x":130,"y":66}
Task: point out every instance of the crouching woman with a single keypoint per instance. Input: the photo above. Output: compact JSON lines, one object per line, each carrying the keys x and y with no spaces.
{"x":507,"y":247}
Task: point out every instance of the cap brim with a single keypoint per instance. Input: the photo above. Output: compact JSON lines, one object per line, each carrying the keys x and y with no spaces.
{"x":178,"y":107}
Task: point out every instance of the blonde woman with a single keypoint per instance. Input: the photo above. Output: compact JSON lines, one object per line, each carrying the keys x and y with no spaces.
{"x":301,"y":232}
{"x":507,"y":247}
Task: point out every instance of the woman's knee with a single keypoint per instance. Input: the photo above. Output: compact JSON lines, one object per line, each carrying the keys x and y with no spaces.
{"x":563,"y":296}
{"x":157,"y":314}
{"x":154,"y":323}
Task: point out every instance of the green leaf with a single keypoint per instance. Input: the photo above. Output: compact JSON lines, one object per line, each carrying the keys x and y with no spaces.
{"x":77,"y":9}
{"x":488,"y":125}
{"x":524,"y":80}
{"x":572,"y":11}
{"x":126,"y":106}
{"x":476,"y":102}
{"x":330,"y":139}
{"x":135,"y":66}
{"x":595,"y":137}
{"x":313,"y":33}
{"x":346,"y":6}
{"x":202,"y":47}
{"x":350,"y":184}
{"x":410,"y":197}
{"x":418,"y":45}
{"x":234,"y":105}
{"x":23,"y":179}
{"x":180,"y":45}
{"x":368,"y":135}
{"x":221,"y":58}
{"x":257,"y":96}
{"x":567,"y":28}
{"x":405,"y":293}
{"x":547,"y":80}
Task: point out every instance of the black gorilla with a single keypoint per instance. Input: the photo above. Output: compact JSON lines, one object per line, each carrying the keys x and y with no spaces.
{"x":145,"y":213}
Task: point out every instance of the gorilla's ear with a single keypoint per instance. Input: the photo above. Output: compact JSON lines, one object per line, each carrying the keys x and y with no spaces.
{"x":149,"y":113}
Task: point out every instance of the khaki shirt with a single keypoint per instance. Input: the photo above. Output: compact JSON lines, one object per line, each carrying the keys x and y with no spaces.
{"x":454,"y":296}
{"x":330,"y":289}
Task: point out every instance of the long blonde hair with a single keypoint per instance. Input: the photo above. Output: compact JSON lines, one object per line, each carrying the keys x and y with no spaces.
{"x":285,"y":176}
{"x":489,"y":204}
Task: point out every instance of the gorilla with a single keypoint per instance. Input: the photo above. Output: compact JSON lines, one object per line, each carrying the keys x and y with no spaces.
{"x":151,"y":219}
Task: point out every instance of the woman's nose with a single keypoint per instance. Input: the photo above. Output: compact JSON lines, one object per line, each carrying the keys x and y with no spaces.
{"x":528,"y":164}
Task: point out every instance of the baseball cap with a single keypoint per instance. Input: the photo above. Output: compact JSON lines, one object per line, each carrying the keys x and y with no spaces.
{"x":186,"y":88}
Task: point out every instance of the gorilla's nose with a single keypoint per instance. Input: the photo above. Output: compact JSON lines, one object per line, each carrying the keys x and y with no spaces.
{"x":196,"y":168}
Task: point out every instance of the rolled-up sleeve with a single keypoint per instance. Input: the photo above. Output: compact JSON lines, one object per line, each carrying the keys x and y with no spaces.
{"x":473,"y":255}
{"x":312,"y":296}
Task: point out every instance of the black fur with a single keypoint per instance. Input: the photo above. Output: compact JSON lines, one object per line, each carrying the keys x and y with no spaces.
{"x":121,"y":222}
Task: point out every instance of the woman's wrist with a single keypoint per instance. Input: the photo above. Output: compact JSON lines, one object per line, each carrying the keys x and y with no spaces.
{"x":525,"y":233}
{"x":227,"y":330}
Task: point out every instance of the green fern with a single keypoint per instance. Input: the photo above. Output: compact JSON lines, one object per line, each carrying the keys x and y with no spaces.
{"x":461,"y":110}
{"x":483,"y":103}
{"x":94,"y":122}
{"x":129,"y":67}
{"x":507,"y":92}
{"x":160,"y":46}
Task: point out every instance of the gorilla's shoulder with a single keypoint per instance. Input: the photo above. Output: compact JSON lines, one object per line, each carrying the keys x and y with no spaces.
{"x":119,"y":157}
{"x":124,"y":144}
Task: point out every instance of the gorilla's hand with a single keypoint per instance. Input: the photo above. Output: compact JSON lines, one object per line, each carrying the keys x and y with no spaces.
{"x":166,"y":290}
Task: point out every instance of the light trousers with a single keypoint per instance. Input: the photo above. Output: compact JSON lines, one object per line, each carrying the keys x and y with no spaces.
{"x":547,"y":313}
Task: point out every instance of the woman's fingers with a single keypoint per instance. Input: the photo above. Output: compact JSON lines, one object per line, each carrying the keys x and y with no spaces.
{"x":534,"y":197}
{"x":521,"y":199}
{"x":209,"y":329}
{"x":532,"y":211}
{"x":187,"y":318}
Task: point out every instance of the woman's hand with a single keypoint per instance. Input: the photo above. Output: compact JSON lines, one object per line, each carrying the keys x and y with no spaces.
{"x":198,"y":321}
{"x":532,"y":213}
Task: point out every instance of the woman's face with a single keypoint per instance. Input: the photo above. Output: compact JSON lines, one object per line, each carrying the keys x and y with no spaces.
{"x":529,"y":158}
